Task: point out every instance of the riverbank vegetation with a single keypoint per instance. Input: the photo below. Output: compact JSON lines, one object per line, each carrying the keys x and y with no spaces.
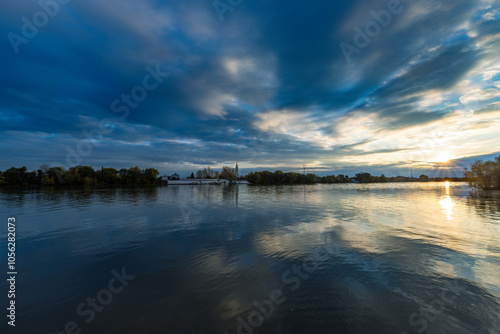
{"x":80,"y":176}
{"x":484,"y":175}
{"x":227,"y":173}
{"x":281,"y":178}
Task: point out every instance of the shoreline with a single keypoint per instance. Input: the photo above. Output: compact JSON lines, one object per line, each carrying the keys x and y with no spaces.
{"x":196,"y":182}
{"x":204,"y":183}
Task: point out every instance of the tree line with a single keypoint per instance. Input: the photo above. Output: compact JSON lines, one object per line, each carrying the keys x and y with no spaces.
{"x":80,"y":176}
{"x":208,"y":173}
{"x":281,"y":178}
{"x":484,"y":175}
{"x":481,"y":175}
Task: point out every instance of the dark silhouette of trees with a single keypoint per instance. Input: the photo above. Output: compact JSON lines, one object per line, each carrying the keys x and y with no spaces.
{"x":205,"y":173}
{"x":208,"y":173}
{"x":150,"y":176}
{"x":44,"y":168}
{"x":16,"y":176}
{"x":423,"y":178}
{"x":484,"y":175}
{"x":108,"y":176}
{"x":364,"y":178}
{"x":368,"y":178}
{"x":280,"y":178}
{"x":80,"y":176}
{"x":228,"y":173}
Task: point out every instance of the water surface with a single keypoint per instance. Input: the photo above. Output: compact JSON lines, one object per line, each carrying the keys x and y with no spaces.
{"x":385,"y":258}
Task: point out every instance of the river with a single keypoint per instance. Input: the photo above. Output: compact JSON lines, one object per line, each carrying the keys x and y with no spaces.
{"x":382,"y":258}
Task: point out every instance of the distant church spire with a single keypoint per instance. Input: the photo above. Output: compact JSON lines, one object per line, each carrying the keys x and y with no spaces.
{"x":236,"y":171}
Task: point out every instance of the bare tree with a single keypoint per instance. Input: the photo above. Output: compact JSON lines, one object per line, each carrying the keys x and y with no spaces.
{"x":45,"y":168}
{"x":205,"y":173}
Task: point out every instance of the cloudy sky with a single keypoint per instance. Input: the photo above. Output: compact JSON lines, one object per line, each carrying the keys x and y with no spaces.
{"x":178,"y":85}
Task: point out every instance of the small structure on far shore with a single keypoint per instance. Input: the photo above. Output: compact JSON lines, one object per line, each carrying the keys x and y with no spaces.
{"x":174,"y":177}
{"x":199,"y":182}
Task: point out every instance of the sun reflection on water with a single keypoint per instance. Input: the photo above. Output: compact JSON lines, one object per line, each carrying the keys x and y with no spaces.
{"x":447,"y":203}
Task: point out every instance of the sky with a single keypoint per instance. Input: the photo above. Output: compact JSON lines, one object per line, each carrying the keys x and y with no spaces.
{"x":378,"y":86}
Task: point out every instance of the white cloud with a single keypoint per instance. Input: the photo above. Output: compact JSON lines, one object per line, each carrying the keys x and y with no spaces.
{"x":301,"y":126}
{"x":238,"y":67}
{"x":480,"y":95}
{"x":355,"y":128}
{"x":432,"y":98}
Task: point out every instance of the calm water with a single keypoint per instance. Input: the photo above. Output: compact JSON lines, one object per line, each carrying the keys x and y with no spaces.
{"x":390,"y":258}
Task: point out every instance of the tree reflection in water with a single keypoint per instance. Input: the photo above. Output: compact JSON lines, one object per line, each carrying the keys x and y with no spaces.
{"x":487,"y":202}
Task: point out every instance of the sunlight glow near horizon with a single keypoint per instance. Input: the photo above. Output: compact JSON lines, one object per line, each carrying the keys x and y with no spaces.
{"x":252,"y":92}
{"x":442,"y":157}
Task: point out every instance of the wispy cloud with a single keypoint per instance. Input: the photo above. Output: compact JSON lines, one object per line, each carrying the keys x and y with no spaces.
{"x":270,"y":78}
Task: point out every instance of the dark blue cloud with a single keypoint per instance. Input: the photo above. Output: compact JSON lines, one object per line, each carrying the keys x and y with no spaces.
{"x":223,"y":76}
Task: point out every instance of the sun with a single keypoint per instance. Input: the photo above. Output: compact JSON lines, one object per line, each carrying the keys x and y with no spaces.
{"x":442,"y":157}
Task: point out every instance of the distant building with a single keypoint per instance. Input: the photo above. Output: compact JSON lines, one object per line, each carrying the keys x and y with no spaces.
{"x":174,"y":177}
